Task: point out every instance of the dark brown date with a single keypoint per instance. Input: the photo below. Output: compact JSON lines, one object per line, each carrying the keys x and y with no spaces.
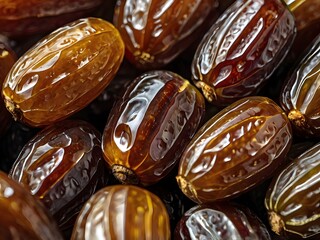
{"x":150,"y":126}
{"x":23,"y":217}
{"x":19,"y":18}
{"x":123,"y":212}
{"x":63,"y":166}
{"x":220,"y":222}
{"x":235,"y":150}
{"x":155,"y":32}
{"x":242,"y":49}
{"x":293,"y":199}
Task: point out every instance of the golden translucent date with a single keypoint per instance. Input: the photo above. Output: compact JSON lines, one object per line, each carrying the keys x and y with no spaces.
{"x":235,"y":150}
{"x":123,"y":212}
{"x":155,"y":32}
{"x":19,"y":18}
{"x":22,"y":216}
{"x":150,"y":126}
{"x":242,"y":49}
{"x":301,"y":93}
{"x":62,"y":166}
{"x":293,"y":199}
{"x":63,"y":72}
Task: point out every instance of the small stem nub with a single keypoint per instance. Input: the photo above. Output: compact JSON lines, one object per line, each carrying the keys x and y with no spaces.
{"x":297,"y":118}
{"x":276,"y":223}
{"x":124,"y":174}
{"x":187,"y":188}
{"x":13,"y":109}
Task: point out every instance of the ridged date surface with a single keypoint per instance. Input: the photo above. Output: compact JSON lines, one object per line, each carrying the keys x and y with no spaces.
{"x":155,"y":32}
{"x":22,"y":216}
{"x":220,"y":222}
{"x":235,"y":150}
{"x":63,"y":72}
{"x":150,"y":126}
{"x":20,"y":18}
{"x":242,"y":49}
{"x":123,"y":212}
{"x":63,"y":166}
{"x":293,"y":200}
{"x":301,"y":93}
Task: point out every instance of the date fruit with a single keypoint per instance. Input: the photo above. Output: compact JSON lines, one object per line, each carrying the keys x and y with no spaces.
{"x":293,"y":199}
{"x":150,"y":126}
{"x":23,"y":217}
{"x":155,"y":32}
{"x":220,"y":222}
{"x":235,"y":150}
{"x":122,"y":212}
{"x":63,"y":72}
{"x":63,"y":166}
{"x":242,"y":49}
{"x":19,"y":18}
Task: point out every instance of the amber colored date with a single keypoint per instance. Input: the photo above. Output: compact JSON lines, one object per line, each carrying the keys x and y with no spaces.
{"x":150,"y":126}
{"x":235,"y":150}
{"x":220,"y":222}
{"x":63,"y":72}
{"x":155,"y":32}
{"x":293,"y":199}
{"x":63,"y":166}
{"x":19,"y":18}
{"x":122,"y":212}
{"x":242,"y":49}
{"x":22,"y":216}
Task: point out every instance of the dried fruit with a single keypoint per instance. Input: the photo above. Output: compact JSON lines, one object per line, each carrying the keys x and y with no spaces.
{"x":64,"y":72}
{"x":150,"y":126}
{"x":242,"y":49}
{"x":63,"y":166}
{"x":155,"y":32}
{"x":23,"y":217}
{"x":235,"y":150}
{"x":122,"y":212}
{"x":293,"y":199}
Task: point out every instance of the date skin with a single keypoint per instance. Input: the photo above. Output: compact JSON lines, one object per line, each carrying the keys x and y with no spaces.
{"x":23,"y":217}
{"x":19,"y":18}
{"x":123,"y":212}
{"x":62,"y":166}
{"x":300,"y":94}
{"x":155,"y":32}
{"x":63,"y":72}
{"x":150,"y":126}
{"x":293,"y":198}
{"x":242,"y":49}
{"x":220,"y":221}
{"x":235,"y":150}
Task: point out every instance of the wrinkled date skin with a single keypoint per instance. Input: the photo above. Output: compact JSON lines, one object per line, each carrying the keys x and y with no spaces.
{"x":300,"y":94}
{"x":220,"y":222}
{"x":63,"y":166}
{"x":19,"y":18}
{"x":155,"y":32}
{"x":63,"y":72}
{"x":242,"y":49}
{"x":123,"y":212}
{"x":293,"y":198}
{"x":235,"y":150}
{"x":150,"y":126}
{"x":23,"y":217}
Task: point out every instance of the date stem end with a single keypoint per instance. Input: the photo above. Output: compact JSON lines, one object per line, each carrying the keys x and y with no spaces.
{"x":13,"y":109}
{"x":297,"y":118}
{"x":187,"y":188}
{"x":276,"y":223}
{"x":124,"y":174}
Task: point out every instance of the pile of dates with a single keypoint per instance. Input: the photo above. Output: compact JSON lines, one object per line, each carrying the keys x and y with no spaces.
{"x":160,"y":119}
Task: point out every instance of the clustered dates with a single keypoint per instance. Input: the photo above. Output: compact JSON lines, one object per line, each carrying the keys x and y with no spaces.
{"x":153,"y":119}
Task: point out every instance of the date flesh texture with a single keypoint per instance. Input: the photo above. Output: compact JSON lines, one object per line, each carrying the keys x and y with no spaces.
{"x":235,"y":150}
{"x":62,"y":166}
{"x":242,"y":49}
{"x":19,"y":18}
{"x":63,"y":72}
{"x":123,"y":212}
{"x":150,"y":126}
{"x":293,"y":199}
{"x":23,"y":217}
{"x":156,"y":32}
